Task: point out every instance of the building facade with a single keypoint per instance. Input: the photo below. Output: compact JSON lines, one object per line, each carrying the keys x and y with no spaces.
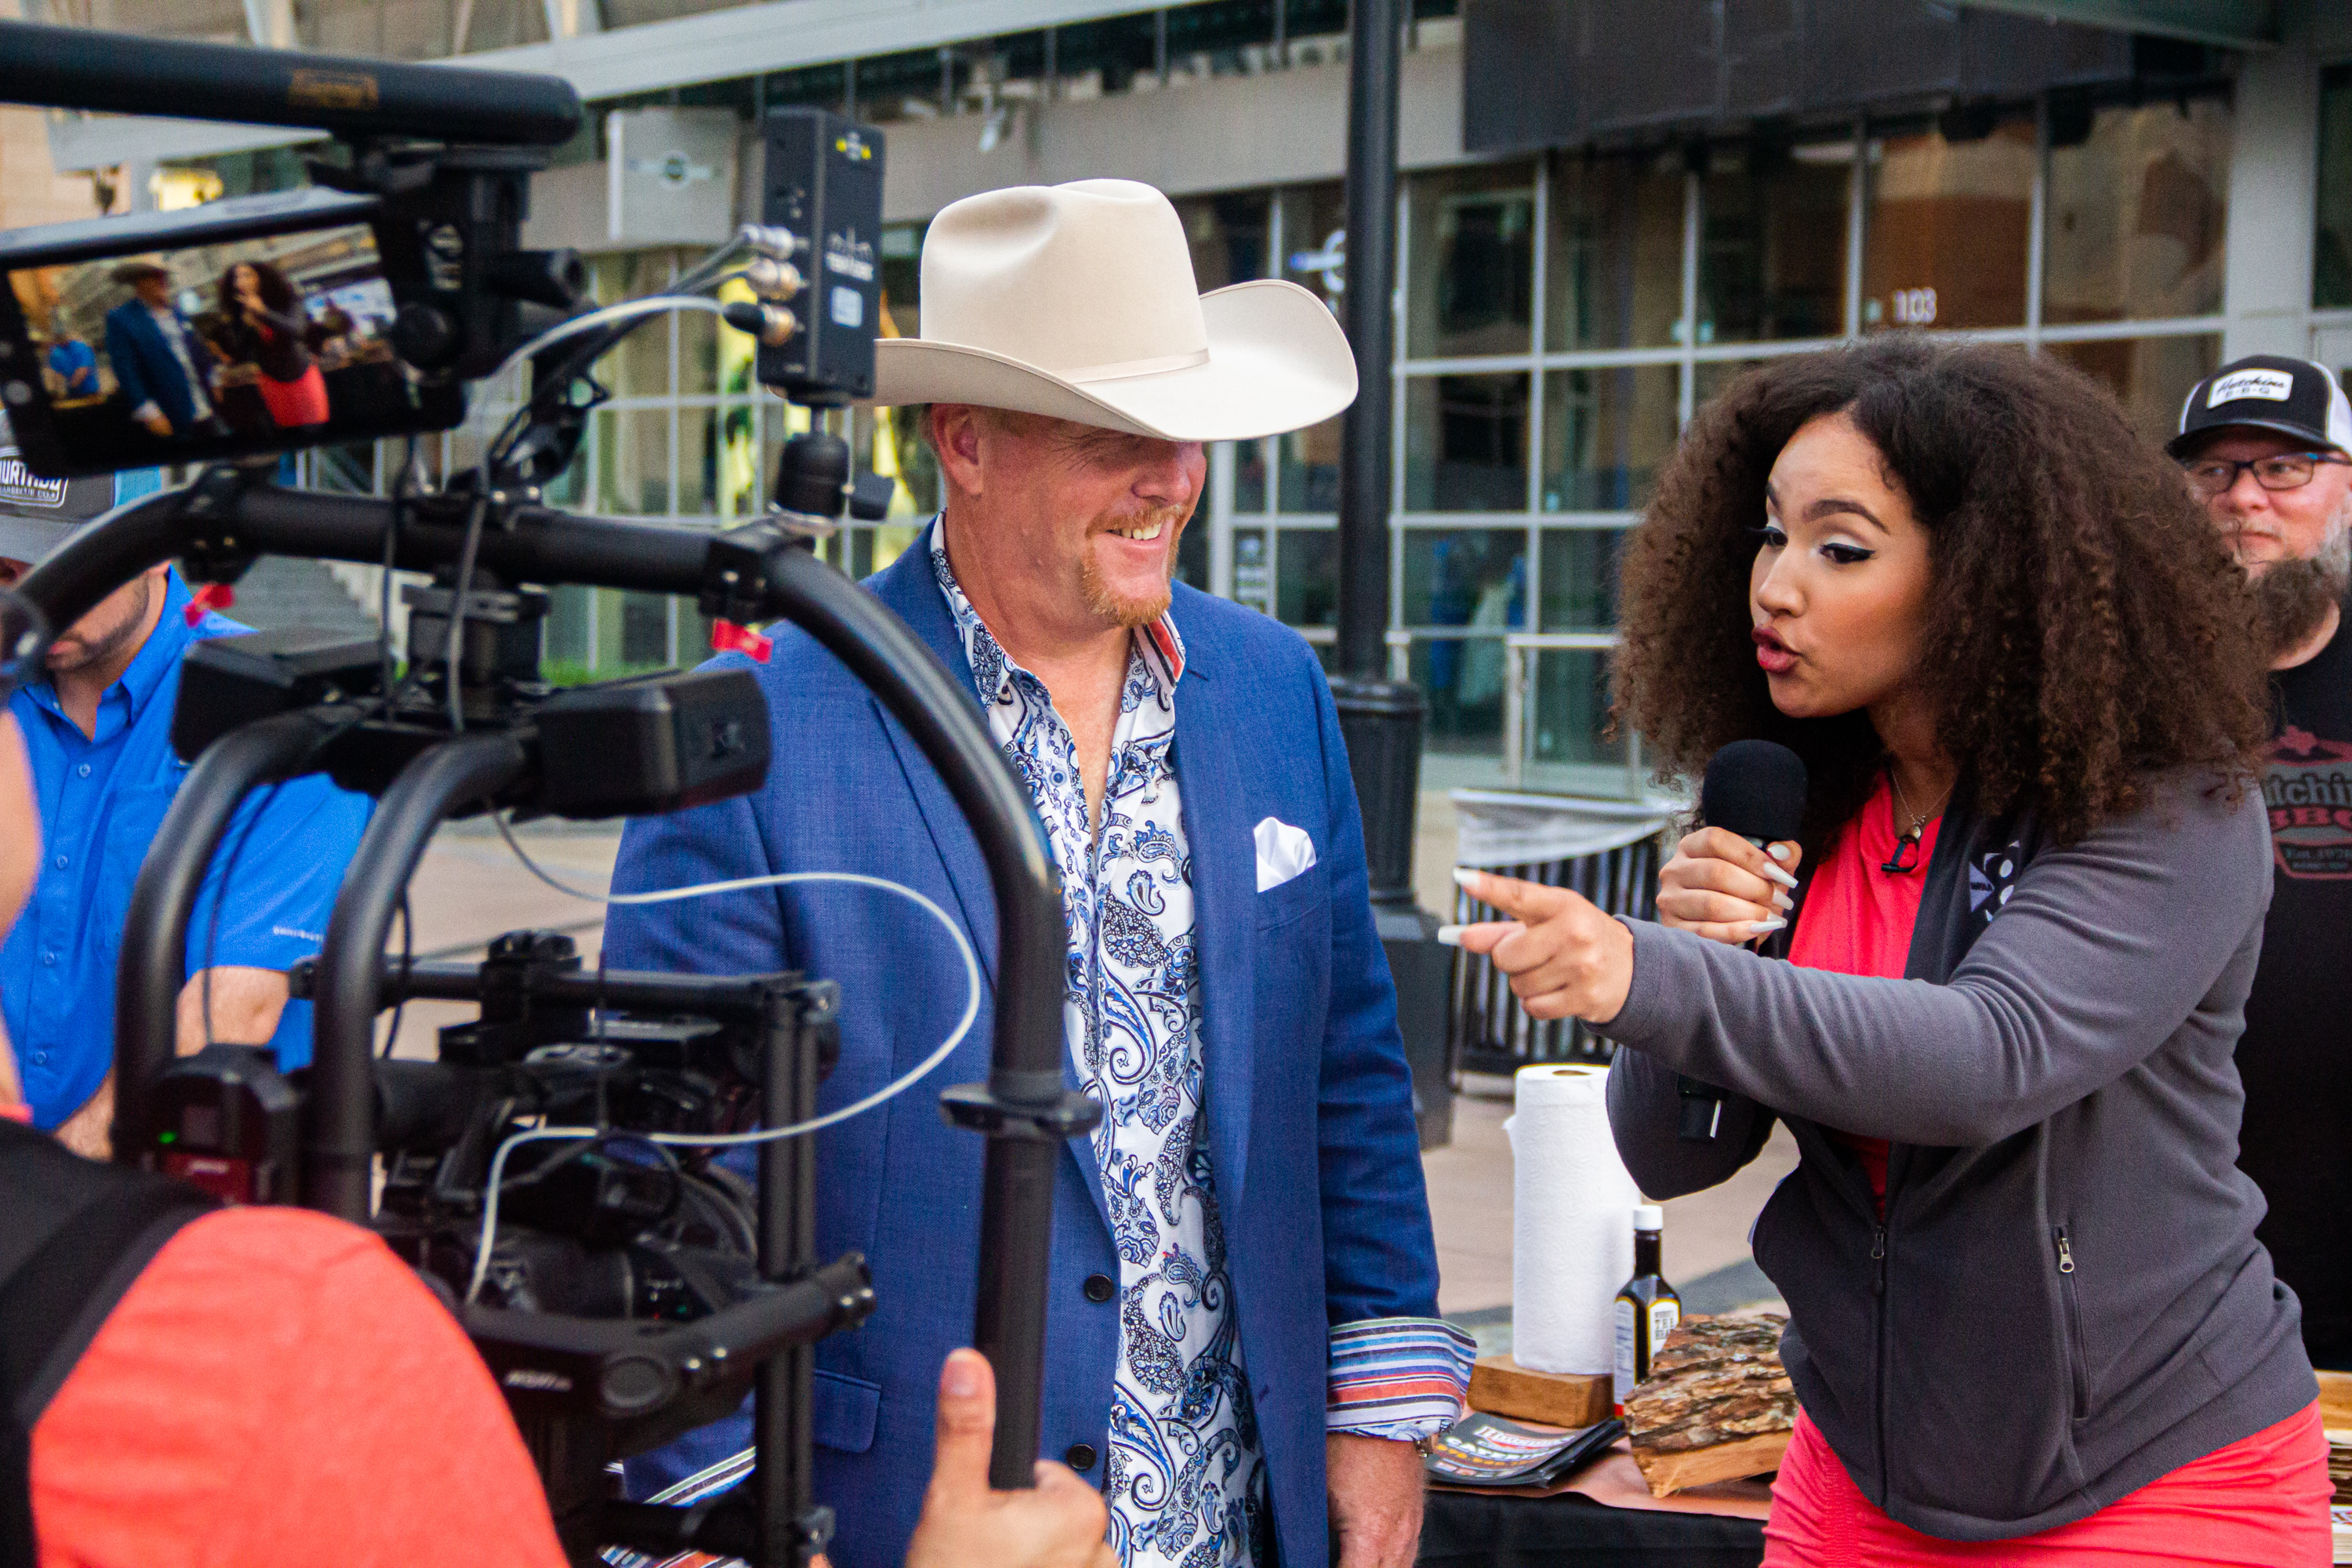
{"x":1574,"y":285}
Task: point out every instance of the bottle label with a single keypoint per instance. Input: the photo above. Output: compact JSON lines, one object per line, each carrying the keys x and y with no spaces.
{"x":1663,"y":1315}
{"x":1627,"y":1372}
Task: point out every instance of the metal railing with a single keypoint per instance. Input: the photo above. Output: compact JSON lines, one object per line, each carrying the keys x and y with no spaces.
{"x":1490,"y":1031}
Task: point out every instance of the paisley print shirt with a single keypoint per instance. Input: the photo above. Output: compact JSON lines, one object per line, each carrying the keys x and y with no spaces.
{"x":1184,"y":1477}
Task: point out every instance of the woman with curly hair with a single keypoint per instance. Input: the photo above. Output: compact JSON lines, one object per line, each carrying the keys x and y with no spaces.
{"x":2026,"y":1303}
{"x":267,"y":325}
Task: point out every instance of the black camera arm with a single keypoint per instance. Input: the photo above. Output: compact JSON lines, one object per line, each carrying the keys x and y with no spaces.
{"x":748,"y":573}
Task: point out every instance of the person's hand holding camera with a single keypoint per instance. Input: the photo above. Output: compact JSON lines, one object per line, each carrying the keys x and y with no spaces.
{"x":965,"y":1524}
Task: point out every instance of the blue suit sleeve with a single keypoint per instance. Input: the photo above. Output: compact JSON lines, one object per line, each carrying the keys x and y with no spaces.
{"x":727,"y":933}
{"x":123,"y":351}
{"x":1380,"y":1258}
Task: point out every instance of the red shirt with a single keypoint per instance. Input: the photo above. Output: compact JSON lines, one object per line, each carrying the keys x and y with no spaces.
{"x":2261,"y":1500}
{"x":1858,"y":918}
{"x":278,"y":1389}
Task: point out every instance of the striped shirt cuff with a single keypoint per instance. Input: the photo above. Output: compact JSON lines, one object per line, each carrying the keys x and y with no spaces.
{"x":1397,"y":1377}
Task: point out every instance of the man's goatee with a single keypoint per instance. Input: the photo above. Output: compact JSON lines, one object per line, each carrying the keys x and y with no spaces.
{"x":2293,"y":597}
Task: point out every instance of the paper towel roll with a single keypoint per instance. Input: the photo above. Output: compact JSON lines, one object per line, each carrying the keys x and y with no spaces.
{"x":1572,"y":1220}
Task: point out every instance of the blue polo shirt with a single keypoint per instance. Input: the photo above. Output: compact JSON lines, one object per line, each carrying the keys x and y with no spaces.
{"x":101,"y":800}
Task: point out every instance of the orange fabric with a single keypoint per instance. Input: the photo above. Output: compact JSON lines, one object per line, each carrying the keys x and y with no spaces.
{"x":276,"y":1388}
{"x":2261,"y":1500}
{"x":1858,"y":920}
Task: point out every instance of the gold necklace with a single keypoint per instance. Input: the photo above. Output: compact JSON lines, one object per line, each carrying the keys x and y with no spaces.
{"x":1908,"y":839}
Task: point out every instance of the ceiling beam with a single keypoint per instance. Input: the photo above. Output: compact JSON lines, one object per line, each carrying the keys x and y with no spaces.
{"x":716,"y":45}
{"x":2235,"y":24}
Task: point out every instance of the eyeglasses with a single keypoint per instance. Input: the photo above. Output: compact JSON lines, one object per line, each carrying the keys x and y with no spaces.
{"x":2287,"y":471}
{"x":24,"y":641}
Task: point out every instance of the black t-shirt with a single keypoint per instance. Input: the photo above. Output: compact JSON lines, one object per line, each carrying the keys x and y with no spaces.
{"x":2296,"y":1055}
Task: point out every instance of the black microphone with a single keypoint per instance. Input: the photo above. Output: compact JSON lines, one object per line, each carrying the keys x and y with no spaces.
{"x":86,"y":67}
{"x":1755,"y":789}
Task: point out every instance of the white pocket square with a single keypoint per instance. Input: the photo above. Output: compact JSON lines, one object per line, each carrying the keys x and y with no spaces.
{"x":1282,"y":852}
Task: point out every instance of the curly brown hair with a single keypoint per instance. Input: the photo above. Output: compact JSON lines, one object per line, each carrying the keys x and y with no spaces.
{"x":2087,"y":624}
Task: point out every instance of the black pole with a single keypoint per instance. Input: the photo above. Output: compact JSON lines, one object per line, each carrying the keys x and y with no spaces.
{"x":1369,"y":318}
{"x":1381,"y":718}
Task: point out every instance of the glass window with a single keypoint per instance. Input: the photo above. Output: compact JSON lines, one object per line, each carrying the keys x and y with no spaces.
{"x":2331,"y":281}
{"x":742,"y":481}
{"x":1472,"y":250}
{"x":902,"y":278}
{"x":701,"y":356}
{"x":1571,"y":708}
{"x":1228,"y":235}
{"x":1462,"y":678}
{"x":1579,"y":579}
{"x":640,"y":366}
{"x":564,"y":642}
{"x":1315,"y":239}
{"x":1465,"y":443}
{"x":2150,"y":376}
{"x":1772,"y":243}
{"x":1253,"y":574}
{"x":643,"y":628}
{"x":1310,"y":468}
{"x":633,"y":461}
{"x":1306,"y":576}
{"x":700,"y":463}
{"x":1192,"y":552}
{"x":2136,"y":216}
{"x":1605,"y":433}
{"x":1947,"y":232}
{"x":1613,"y":267}
{"x":1714,"y":375}
{"x":1465,"y":577}
{"x":1249,"y":476}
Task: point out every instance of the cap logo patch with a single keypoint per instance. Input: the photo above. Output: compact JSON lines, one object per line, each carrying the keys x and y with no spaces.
{"x":20,"y":485}
{"x":2273,"y":385}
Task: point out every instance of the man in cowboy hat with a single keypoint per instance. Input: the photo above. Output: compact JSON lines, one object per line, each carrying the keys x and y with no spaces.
{"x":162,"y":366}
{"x":1242,"y":1335}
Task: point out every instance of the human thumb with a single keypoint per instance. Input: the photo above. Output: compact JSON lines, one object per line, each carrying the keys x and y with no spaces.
{"x":967,"y":1425}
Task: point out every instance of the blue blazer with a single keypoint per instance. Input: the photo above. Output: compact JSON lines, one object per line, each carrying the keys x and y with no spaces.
{"x":146,"y":369}
{"x":1309,"y":1102}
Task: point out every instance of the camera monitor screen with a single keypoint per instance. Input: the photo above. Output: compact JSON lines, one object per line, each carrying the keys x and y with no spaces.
{"x":223,"y":347}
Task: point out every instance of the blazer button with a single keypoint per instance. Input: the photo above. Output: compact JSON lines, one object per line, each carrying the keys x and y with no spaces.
{"x":1080,"y":1456}
{"x":1098,"y":1287}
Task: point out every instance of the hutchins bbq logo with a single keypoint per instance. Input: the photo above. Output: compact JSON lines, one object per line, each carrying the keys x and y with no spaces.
{"x":2308,"y":789}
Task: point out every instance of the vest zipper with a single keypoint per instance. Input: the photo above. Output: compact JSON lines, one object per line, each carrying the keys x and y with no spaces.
{"x":2078,"y":1370}
{"x":1878,"y":1257}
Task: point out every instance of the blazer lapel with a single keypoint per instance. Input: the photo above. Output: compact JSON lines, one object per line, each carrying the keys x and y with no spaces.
{"x":1225,"y":917}
{"x":909,"y":587}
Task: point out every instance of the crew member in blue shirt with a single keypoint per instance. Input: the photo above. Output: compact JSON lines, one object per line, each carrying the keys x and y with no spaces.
{"x":97,"y":734}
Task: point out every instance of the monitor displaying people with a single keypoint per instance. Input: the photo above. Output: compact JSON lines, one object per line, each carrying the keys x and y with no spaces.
{"x":239,"y":341}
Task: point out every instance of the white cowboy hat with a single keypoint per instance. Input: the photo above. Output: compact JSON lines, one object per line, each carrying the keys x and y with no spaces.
{"x":1077,"y":303}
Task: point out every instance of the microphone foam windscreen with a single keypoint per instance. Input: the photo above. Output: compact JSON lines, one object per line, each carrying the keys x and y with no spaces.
{"x":1755,"y":789}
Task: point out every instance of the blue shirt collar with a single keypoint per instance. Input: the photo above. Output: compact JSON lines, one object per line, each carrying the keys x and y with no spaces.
{"x":156,"y":658}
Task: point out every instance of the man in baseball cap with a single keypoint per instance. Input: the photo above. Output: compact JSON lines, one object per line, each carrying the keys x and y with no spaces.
{"x":2266,"y":443}
{"x":97,"y":721}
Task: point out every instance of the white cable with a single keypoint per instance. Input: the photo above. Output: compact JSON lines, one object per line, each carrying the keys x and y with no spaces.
{"x":898,"y":1086}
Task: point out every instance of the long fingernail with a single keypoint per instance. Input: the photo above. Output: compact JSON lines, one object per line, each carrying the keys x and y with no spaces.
{"x":1780,"y":876}
{"x":1451,"y":935}
{"x":1466,"y":878}
{"x":1782,"y":902}
{"x":1762,"y":928}
{"x":1779,"y":851}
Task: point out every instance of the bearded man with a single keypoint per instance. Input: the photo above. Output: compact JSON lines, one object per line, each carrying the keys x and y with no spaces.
{"x":2266,"y":443}
{"x":1241,"y":1338}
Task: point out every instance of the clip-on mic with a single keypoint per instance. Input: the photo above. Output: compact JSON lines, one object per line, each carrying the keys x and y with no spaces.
{"x":1755,"y":789}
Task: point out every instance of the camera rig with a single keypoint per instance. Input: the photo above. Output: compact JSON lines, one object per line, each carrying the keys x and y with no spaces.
{"x":634,"y":1285}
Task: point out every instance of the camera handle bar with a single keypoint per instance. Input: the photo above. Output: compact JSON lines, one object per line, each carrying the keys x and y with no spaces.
{"x":749,"y":573}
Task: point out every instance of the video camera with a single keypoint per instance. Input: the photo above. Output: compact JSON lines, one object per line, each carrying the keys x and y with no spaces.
{"x":555,"y":1171}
